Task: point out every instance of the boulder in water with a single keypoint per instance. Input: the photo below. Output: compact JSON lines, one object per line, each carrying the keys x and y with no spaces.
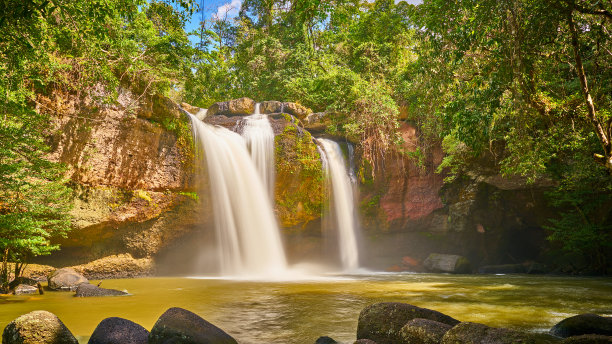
{"x":325,"y":340}
{"x":423,"y":331}
{"x":65,"y":279}
{"x":382,"y":322}
{"x":38,"y":327}
{"x":24,"y":289}
{"x":22,"y":280}
{"x":452,"y":263}
{"x":237,"y":107}
{"x":89,"y":290}
{"x":583,"y":324}
{"x":472,"y":333}
{"x":119,"y":331}
{"x":179,"y":325}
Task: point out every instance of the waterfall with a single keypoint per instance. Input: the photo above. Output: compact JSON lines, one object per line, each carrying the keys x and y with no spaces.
{"x":259,"y":137}
{"x":248,"y":237}
{"x":342,"y":207}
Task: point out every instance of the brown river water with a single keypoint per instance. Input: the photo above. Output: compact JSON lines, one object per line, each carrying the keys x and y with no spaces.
{"x":298,"y":312}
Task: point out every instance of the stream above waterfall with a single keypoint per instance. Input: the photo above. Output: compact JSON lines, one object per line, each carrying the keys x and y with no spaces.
{"x":298,"y":312}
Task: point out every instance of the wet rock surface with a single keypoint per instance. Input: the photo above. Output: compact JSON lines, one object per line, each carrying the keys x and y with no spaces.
{"x":25,"y":289}
{"x":583,"y":324}
{"x":90,"y":290}
{"x":472,"y":333}
{"x":65,"y":279}
{"x":423,"y":331}
{"x":382,"y":322}
{"x":118,"y":331}
{"x":179,"y":325}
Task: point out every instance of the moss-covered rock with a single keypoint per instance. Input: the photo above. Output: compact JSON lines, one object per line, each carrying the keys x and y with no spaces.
{"x":235,"y":107}
{"x":38,"y":327}
{"x":472,"y":333}
{"x":423,"y":331}
{"x":299,"y":190}
{"x":382,"y":322}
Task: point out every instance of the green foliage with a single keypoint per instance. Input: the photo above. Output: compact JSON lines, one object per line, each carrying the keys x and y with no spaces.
{"x":54,"y":48}
{"x":34,"y":198}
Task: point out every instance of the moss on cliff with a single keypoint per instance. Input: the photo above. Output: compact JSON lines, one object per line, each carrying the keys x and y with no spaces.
{"x":299,"y":186}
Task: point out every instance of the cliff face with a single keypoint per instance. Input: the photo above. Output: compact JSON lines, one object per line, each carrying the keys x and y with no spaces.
{"x":410,"y":212}
{"x":131,"y":168}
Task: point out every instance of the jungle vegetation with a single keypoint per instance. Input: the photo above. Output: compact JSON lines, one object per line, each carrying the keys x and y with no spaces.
{"x":527,"y":83}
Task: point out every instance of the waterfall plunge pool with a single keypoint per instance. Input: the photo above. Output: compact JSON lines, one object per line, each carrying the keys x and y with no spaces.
{"x":298,"y":312}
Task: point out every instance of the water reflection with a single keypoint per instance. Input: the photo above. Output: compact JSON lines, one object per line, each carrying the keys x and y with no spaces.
{"x":299,"y":312}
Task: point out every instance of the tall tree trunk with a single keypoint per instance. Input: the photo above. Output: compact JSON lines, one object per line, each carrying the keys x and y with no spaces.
{"x":606,"y":159}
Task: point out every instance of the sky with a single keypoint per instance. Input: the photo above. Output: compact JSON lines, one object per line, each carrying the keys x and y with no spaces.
{"x":221,"y":8}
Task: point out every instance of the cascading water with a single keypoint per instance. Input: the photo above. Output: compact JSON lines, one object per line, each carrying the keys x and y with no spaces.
{"x":342,"y":208}
{"x":248,"y":237}
{"x":259,"y":136}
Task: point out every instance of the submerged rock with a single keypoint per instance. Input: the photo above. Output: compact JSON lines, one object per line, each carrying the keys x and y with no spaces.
{"x":472,"y":333}
{"x":24,"y":289}
{"x":118,"y":331}
{"x":326,"y":340}
{"x":38,"y":327}
{"x":179,"y":325}
{"x":382,"y":322}
{"x":89,"y":290}
{"x":423,"y":331}
{"x":452,"y":263}
{"x":583,"y":324}
{"x":65,"y":279}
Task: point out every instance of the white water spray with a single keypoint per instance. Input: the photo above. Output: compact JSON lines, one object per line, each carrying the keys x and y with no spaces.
{"x":259,"y":136}
{"x":248,"y":237}
{"x":342,"y":208}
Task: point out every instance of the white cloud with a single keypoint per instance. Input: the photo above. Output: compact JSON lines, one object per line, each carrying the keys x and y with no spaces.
{"x":229,"y":9}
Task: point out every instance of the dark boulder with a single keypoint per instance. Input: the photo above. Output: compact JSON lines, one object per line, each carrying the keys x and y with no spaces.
{"x":24,"y":289}
{"x":472,"y":333}
{"x":89,"y":290}
{"x":583,"y":324}
{"x":423,"y":331}
{"x":38,"y":327}
{"x":502,"y":269}
{"x":236,"y":107}
{"x":118,"y":331}
{"x":588,"y":339}
{"x":325,"y":340}
{"x":22,"y":280}
{"x":65,"y":279}
{"x":382,"y":322}
{"x":452,"y":263}
{"x":178,"y":325}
